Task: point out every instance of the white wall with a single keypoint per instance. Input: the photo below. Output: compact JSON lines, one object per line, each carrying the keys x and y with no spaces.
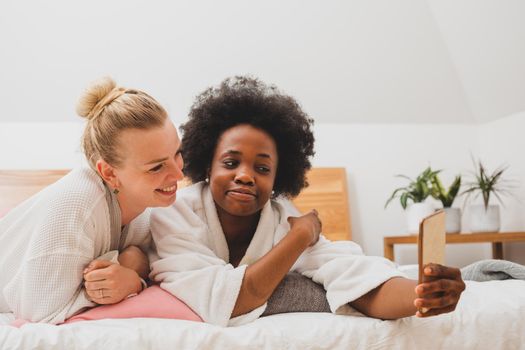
{"x":486,"y":42}
{"x":503,"y":142}
{"x":372,"y":155}
{"x":348,"y":61}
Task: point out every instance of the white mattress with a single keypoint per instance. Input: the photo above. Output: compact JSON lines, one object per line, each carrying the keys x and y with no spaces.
{"x":490,"y":315}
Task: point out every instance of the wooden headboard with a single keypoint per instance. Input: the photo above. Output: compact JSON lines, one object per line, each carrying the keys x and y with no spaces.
{"x":327,"y":193}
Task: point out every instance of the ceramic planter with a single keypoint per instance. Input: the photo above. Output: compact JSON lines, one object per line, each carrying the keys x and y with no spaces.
{"x":453,"y":220}
{"x":415,"y":213}
{"x":484,"y":220}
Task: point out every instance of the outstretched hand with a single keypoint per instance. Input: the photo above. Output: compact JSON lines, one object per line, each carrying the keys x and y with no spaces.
{"x":440,"y":292}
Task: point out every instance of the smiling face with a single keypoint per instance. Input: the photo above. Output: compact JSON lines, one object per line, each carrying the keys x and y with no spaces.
{"x":151,"y":167}
{"x":243,"y":171}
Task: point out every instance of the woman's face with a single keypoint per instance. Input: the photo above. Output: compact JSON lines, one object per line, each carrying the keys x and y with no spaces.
{"x":243,"y":170}
{"x":151,"y":167}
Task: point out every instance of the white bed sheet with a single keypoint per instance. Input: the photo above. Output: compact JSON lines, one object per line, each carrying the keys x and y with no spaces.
{"x":490,"y":315}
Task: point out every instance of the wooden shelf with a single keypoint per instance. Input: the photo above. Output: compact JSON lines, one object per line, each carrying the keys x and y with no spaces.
{"x":496,"y":238}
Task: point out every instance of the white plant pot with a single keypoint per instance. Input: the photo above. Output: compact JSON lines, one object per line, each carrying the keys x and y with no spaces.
{"x":417,"y":212}
{"x":484,"y":220}
{"x":453,"y":220}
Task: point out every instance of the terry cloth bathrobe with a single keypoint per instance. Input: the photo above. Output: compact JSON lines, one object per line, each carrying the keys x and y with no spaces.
{"x":192,"y":260}
{"x":48,"y":240}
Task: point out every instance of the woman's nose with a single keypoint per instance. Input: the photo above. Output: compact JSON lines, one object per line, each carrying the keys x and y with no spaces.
{"x":244,"y":177}
{"x":176,"y":167}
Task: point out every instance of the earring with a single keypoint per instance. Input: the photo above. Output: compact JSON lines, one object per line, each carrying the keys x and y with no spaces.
{"x":273,"y":193}
{"x":116,"y":191}
{"x":207,"y":180}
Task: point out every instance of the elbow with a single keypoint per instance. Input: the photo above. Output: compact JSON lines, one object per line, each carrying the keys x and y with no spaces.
{"x":250,"y":297}
{"x":255,"y":293}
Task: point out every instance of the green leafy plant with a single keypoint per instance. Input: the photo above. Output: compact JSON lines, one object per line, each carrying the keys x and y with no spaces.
{"x":439,"y":192}
{"x":487,"y":184}
{"x":417,"y":190}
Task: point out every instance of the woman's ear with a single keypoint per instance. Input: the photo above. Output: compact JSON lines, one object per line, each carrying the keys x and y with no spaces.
{"x":107,"y":173}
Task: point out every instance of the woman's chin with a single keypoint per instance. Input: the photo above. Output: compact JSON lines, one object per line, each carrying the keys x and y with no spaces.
{"x":240,"y":210}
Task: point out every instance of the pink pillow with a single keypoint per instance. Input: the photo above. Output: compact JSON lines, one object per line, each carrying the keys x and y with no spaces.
{"x":153,"y":302}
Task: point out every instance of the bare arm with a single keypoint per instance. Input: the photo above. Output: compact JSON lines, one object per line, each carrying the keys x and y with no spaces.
{"x":400,"y":297}
{"x":391,"y":300}
{"x":262,"y":277}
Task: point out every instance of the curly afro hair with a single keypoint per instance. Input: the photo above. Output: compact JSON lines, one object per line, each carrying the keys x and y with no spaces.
{"x":246,"y":100}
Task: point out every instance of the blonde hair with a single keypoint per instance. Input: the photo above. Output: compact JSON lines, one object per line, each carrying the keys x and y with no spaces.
{"x":110,"y":110}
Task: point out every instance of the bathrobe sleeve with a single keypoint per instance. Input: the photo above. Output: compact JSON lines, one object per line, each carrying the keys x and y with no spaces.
{"x":48,"y":286}
{"x":186,"y":265}
{"x":339,"y":266}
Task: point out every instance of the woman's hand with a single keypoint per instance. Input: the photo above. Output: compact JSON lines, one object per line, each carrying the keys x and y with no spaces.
{"x":109,"y":283}
{"x":441,"y":293}
{"x":308,"y":225}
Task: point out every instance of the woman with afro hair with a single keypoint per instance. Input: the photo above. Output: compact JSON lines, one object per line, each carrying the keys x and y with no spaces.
{"x":231,"y":237}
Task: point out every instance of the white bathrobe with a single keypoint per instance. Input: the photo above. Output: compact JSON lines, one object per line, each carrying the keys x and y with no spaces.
{"x":192,"y":260}
{"x":48,"y":240}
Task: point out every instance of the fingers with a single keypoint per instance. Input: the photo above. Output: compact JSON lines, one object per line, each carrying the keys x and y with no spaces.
{"x":436,"y":270}
{"x":313,"y":211}
{"x":440,"y":295}
{"x":442,"y":285}
{"x":101,"y":284}
{"x":101,"y":273}
{"x":101,"y":296}
{"x":437,"y":301}
{"x":292,"y":219}
{"x":434,"y":312}
{"x":96,"y":264}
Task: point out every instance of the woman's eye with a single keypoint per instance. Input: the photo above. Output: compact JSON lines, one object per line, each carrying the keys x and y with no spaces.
{"x":156,"y":168}
{"x":230,"y":163}
{"x":263,"y":169}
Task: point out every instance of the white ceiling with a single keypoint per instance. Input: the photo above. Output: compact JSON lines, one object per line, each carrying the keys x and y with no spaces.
{"x":360,"y":61}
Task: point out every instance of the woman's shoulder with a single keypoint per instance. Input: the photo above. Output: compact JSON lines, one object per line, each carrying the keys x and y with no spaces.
{"x":74,"y":195}
{"x":75,"y":202}
{"x":80,"y":187}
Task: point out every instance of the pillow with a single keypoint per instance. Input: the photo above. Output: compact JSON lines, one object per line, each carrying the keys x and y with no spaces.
{"x":297,"y":293}
{"x":153,"y":302}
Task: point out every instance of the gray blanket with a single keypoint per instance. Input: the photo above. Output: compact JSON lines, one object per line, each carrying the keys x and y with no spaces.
{"x":297,"y":293}
{"x":488,"y":270}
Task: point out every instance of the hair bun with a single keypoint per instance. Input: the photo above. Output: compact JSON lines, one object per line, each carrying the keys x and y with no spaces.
{"x":93,"y":94}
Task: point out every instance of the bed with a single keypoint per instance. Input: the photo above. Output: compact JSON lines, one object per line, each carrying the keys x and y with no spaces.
{"x":490,"y":315}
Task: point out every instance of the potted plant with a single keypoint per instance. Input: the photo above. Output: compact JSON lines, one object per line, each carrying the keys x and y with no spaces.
{"x":485,"y":217}
{"x":416,"y":192}
{"x":446,"y":197}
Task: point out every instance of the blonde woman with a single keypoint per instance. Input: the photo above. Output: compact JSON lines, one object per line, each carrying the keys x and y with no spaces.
{"x":59,"y":250}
